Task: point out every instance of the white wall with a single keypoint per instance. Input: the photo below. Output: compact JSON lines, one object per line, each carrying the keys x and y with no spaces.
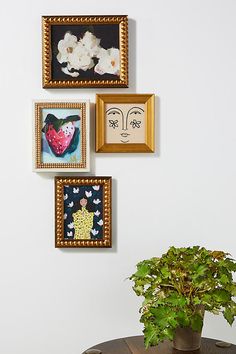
{"x":56,"y":301}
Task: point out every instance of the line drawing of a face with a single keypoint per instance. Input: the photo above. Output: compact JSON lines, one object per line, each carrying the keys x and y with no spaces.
{"x":125,"y":123}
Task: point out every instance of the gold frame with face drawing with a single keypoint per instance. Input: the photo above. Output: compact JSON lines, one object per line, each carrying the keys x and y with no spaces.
{"x":90,"y":21}
{"x":102,"y":100}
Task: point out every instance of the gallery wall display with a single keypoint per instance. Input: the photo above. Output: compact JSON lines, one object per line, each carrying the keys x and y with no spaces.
{"x":61,"y":136}
{"x":125,"y":123}
{"x":85,"y":51}
{"x":83,"y":211}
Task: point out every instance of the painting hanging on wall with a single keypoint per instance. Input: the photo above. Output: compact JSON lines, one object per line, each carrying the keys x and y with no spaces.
{"x":83,"y":211}
{"x":61,"y":131}
{"x":85,"y":51}
{"x":125,"y":123}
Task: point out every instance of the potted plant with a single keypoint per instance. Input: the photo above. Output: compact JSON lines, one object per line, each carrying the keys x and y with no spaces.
{"x":178,"y":287}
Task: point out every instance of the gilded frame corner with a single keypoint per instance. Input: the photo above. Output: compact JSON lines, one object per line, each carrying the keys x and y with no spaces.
{"x":49,"y":21}
{"x":60,"y":183}
{"x":148,"y":146}
{"x":38,"y":164}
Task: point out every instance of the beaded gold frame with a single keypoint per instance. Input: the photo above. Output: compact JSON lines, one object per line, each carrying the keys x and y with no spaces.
{"x":83,"y":165}
{"x":49,"y":21}
{"x":60,"y":183}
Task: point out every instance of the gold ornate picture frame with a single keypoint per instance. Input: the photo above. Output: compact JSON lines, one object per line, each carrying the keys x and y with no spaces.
{"x":61,"y":136}
{"x":125,"y":123}
{"x":85,"y":51}
{"x":83,"y":212}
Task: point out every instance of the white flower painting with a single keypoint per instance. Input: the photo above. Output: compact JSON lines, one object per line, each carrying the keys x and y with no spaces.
{"x":85,"y":53}
{"x":109,"y":62}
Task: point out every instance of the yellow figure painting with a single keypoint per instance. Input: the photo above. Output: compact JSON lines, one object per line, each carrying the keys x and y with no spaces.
{"x":83,"y":221}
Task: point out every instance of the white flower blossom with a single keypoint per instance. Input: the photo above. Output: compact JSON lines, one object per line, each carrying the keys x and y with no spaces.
{"x":109,"y":61}
{"x":78,"y":55}
{"x":96,"y":201}
{"x":80,"y":58}
{"x":71,"y":225}
{"x":100,"y":222}
{"x":96,"y":188}
{"x":65,"y":47}
{"x":88,"y":194}
{"x":94,"y":232}
{"x":91,"y":43}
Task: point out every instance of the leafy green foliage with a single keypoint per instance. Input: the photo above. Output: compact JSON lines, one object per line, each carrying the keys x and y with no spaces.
{"x":179,"y":286}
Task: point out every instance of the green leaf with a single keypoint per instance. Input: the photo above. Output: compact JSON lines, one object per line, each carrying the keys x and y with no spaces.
{"x":168,"y":333}
{"x":138,"y":289}
{"x":150,"y":335}
{"x":143,"y":270}
{"x":221,"y":295}
{"x":229,"y":316}
{"x":183,"y":319}
{"x":176,"y":299}
{"x":206,"y":299}
{"x":232,"y":289}
{"x":224,"y":279}
{"x":165,"y":272}
{"x":160,"y":312}
{"x":229,"y":264}
{"x":201,"y":269}
{"x":197,"y":301}
{"x":196,"y":322}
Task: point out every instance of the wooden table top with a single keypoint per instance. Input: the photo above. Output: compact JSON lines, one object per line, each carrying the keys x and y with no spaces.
{"x":135,"y":345}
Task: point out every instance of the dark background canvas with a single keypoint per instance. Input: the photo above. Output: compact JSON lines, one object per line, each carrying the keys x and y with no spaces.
{"x":109,"y":35}
{"x":75,"y":198}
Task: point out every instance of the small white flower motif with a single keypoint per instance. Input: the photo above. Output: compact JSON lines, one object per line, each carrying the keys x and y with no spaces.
{"x":94,"y":232}
{"x":65,"y":196}
{"x":69,"y":233}
{"x":100,"y":222}
{"x":97,"y":213}
{"x":76,"y":190}
{"x":71,"y":225}
{"x":65,"y":47}
{"x":70,"y":205}
{"x":96,"y":188}
{"x":109,"y":61}
{"x":96,"y":201}
{"x":65,"y":216}
{"x":88,"y":194}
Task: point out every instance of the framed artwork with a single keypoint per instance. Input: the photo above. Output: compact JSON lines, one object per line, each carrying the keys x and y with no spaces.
{"x":61,"y":132}
{"x":125,"y":123}
{"x":85,"y":51}
{"x":83,"y":211}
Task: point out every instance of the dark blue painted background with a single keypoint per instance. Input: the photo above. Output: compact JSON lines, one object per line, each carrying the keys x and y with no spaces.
{"x":71,"y":197}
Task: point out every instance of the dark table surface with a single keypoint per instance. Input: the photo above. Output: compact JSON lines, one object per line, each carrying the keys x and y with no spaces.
{"x":134,"y":345}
